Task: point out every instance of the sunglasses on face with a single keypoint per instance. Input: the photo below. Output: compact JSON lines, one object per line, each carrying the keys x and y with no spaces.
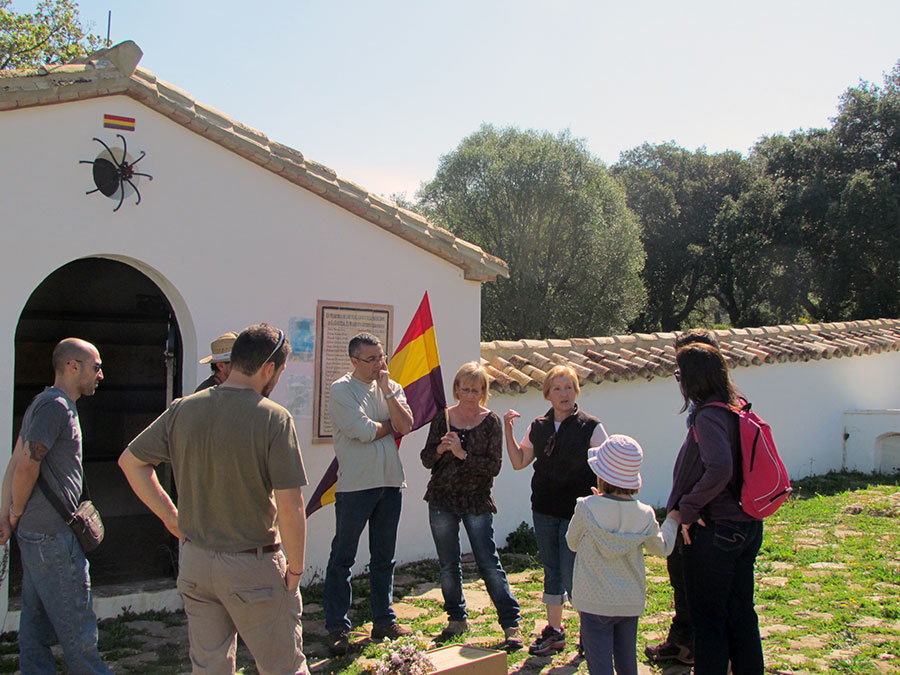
{"x":97,"y":367}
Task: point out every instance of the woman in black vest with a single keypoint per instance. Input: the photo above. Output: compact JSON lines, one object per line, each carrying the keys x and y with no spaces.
{"x":558,"y":443}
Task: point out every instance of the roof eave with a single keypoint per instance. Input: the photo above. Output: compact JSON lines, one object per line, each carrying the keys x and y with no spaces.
{"x":114,"y":71}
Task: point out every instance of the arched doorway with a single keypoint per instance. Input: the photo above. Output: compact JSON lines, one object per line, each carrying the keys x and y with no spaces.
{"x":132,"y":323}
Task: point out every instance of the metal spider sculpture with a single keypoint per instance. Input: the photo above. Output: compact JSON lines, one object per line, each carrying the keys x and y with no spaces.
{"x":110,"y":175}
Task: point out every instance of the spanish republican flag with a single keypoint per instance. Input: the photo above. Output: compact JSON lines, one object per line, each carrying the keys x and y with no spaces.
{"x":416,"y":367}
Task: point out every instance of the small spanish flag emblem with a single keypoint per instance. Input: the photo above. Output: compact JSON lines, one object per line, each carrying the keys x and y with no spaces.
{"x":116,"y":122}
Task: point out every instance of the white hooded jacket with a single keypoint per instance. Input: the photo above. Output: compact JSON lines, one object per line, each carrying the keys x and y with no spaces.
{"x":608,"y":534}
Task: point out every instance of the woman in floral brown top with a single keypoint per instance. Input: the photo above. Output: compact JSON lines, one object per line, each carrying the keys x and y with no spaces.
{"x":463,"y":463}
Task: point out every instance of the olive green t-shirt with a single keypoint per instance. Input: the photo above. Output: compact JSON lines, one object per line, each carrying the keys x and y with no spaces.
{"x":229,"y":448}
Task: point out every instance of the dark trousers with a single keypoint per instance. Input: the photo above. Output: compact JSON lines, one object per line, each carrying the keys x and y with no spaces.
{"x":681,"y":631}
{"x":379,"y":508}
{"x":609,"y":640}
{"x":718,"y":576}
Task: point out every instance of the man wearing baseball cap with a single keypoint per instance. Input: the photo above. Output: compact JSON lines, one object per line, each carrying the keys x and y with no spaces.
{"x":219,"y":360}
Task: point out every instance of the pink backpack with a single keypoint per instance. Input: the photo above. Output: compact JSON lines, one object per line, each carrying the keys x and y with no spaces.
{"x":765,"y":484}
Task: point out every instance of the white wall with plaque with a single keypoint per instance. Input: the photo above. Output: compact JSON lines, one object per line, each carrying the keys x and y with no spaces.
{"x":336,"y":323}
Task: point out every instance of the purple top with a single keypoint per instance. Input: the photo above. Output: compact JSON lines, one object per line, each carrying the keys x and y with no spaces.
{"x":703,"y":482}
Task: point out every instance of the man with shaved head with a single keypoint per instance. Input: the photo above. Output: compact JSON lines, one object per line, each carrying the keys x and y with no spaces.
{"x":56,"y":584}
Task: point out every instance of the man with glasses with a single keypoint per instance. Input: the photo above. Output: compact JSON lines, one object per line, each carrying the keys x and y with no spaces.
{"x":238,"y":472}
{"x":366,"y":409}
{"x":56,"y":585}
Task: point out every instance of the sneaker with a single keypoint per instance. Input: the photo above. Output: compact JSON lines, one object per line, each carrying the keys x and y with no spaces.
{"x":338,"y":642}
{"x":550,"y":642}
{"x":667,"y":651}
{"x":453,"y":630}
{"x":513,"y":641}
{"x":391,"y":630}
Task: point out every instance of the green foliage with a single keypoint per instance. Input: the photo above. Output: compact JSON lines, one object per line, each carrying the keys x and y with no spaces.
{"x":839,"y":190}
{"x":53,"y":34}
{"x":832,"y":483}
{"x":678,"y":194}
{"x":807,"y":228}
{"x":550,"y":209}
{"x":522,"y":540}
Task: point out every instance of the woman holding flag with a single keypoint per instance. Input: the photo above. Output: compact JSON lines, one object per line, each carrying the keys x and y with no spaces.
{"x":464,"y":451}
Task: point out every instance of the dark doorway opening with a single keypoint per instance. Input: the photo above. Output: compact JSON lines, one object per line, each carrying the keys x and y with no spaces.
{"x":130,"y":320}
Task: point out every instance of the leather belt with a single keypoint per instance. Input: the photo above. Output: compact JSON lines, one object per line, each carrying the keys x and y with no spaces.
{"x":268,"y":548}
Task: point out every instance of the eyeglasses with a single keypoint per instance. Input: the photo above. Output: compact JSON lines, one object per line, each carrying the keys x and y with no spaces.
{"x":677,"y":374}
{"x":371,"y":359}
{"x":97,"y":367}
{"x":277,"y":346}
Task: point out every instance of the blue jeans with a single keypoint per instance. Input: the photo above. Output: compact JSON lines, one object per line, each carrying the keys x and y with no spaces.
{"x":718,"y":577}
{"x":609,"y":638}
{"x":556,"y":557}
{"x":56,"y":604}
{"x":380,"y":508}
{"x":480,"y":528}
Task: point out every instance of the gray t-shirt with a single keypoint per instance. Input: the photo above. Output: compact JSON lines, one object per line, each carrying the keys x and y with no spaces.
{"x":52,"y":420}
{"x":363,"y":461}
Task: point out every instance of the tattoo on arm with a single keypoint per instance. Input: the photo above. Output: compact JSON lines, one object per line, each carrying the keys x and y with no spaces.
{"x":37,"y":450}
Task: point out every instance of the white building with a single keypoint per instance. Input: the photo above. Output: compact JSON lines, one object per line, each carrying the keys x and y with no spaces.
{"x":232,"y":230}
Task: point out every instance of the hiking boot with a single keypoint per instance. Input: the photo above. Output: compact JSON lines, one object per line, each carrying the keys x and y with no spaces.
{"x":338,"y":642}
{"x":453,"y":630}
{"x":513,"y":641}
{"x":551,"y":641}
{"x":669,"y":651}
{"x":391,"y":631}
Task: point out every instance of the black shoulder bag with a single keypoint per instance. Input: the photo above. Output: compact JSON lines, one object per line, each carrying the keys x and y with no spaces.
{"x":85,"y":522}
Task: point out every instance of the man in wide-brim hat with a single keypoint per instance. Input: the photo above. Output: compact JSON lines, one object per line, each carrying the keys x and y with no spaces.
{"x":219,"y":360}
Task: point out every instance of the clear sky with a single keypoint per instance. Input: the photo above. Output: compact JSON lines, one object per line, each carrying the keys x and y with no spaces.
{"x":378,"y":91}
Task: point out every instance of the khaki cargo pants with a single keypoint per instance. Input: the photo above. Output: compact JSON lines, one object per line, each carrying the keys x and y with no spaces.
{"x":229,"y":593}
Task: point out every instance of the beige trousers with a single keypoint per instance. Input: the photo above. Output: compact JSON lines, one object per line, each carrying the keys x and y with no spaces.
{"x":229,"y":593}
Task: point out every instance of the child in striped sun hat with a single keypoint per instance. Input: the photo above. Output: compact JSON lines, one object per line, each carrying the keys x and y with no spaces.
{"x":608,"y":533}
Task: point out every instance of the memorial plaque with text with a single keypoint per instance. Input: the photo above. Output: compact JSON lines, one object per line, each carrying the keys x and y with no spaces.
{"x":336,"y":323}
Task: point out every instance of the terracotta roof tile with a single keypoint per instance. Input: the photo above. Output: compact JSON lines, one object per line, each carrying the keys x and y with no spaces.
{"x":525,"y":363}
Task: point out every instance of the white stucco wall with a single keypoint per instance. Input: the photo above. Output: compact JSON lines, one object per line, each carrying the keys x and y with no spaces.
{"x":804,"y":403}
{"x":229,"y":242}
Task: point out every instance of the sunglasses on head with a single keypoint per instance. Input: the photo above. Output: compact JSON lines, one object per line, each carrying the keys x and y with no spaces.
{"x":277,"y":346}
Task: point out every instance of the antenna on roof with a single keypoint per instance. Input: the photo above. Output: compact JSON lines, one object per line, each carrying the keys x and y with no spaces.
{"x":108,"y":23}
